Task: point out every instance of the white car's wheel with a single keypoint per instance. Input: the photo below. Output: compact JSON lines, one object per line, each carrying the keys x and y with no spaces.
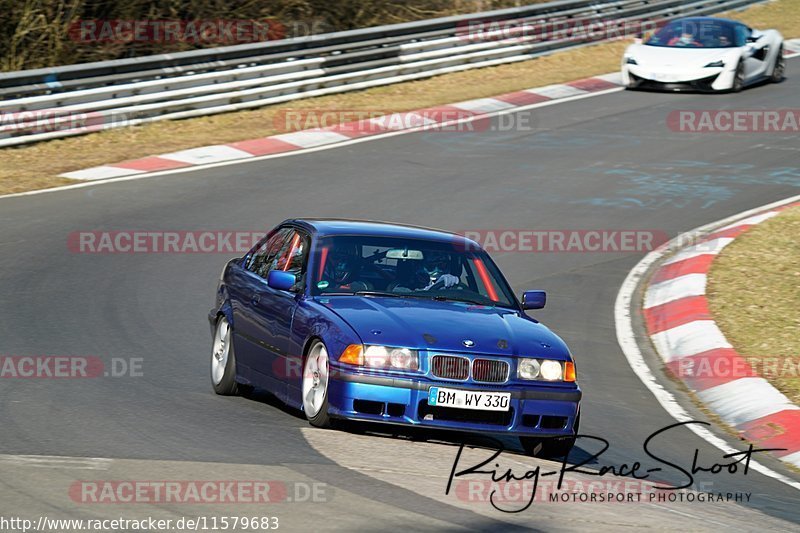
{"x":315,"y":385}
{"x":223,"y":360}
{"x":779,"y":69}
{"x":738,"y":78}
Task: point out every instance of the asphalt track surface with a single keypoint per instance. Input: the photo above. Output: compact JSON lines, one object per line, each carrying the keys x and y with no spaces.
{"x":607,"y":162}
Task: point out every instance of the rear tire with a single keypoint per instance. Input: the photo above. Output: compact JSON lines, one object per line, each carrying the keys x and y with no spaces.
{"x":779,"y":69}
{"x":223,"y":360}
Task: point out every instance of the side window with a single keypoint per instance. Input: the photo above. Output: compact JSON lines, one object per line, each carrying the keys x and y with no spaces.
{"x":742,"y":33}
{"x":293,"y":256}
{"x":266,"y":253}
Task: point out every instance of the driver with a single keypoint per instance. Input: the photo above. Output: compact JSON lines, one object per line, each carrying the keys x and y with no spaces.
{"x":686,"y":39}
{"x":433,"y":272}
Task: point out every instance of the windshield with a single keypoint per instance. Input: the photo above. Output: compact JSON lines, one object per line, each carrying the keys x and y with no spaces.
{"x":699,"y":34}
{"x":411,"y":268}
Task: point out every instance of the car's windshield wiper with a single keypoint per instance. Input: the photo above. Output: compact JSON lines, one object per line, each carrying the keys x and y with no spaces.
{"x":423,"y":295}
{"x":440,"y":298}
{"x":381,"y":293}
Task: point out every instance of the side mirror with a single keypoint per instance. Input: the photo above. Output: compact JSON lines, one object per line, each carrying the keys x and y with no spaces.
{"x":280,"y":280}
{"x":534,"y":299}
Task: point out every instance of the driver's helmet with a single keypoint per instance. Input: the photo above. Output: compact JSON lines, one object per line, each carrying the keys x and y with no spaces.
{"x":434,"y":265}
{"x":342,"y":264}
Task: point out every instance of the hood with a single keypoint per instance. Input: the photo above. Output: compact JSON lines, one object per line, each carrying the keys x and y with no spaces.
{"x":678,"y":58}
{"x":434,"y":325}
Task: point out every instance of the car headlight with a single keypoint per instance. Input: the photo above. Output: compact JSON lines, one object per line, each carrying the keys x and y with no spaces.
{"x":381,"y":357}
{"x":715,"y":64}
{"x":528,"y":368}
{"x":630,"y":61}
{"x":551,"y":370}
{"x":545,"y":369}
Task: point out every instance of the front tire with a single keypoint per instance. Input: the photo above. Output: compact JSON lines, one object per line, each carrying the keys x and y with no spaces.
{"x":779,"y":69}
{"x":315,"y":385}
{"x":738,"y":78}
{"x":223,"y":360}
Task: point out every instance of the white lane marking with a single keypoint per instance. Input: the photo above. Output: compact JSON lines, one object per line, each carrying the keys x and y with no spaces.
{"x":483,"y":105}
{"x":689,"y":339}
{"x":557,"y":91}
{"x":463,"y":120}
{"x":626,"y":337}
{"x":744,"y":400}
{"x":207,"y":154}
{"x":52,"y":461}
{"x":310,"y":138}
{"x":101,"y":173}
{"x":752,"y":221}
{"x":793,"y":45}
{"x":710,"y":247}
{"x":675,"y":289}
{"x":793,"y":458}
{"x":613,"y":77}
{"x":401,"y":121}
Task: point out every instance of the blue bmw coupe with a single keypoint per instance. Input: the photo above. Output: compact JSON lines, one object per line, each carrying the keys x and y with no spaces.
{"x":395,"y":324}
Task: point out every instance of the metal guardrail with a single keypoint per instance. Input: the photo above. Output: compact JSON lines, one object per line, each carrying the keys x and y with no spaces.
{"x":79,"y":99}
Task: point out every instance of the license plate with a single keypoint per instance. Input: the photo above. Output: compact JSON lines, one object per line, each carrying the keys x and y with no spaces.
{"x":466,"y":399}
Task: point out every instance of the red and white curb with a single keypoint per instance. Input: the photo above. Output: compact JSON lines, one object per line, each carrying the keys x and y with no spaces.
{"x":419,"y":120}
{"x":791,"y":47}
{"x":695,"y":351}
{"x":429,"y":118}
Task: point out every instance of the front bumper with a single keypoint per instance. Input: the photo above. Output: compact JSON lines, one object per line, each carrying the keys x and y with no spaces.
{"x":533,"y":411}
{"x":698,"y":80}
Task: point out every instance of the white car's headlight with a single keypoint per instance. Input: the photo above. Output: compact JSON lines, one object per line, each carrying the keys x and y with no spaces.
{"x":630,"y":61}
{"x":545,"y":369}
{"x":715,"y":64}
{"x":381,"y":357}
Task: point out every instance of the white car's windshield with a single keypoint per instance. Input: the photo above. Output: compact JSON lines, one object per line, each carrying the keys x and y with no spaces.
{"x":400,"y":267}
{"x":699,"y":33}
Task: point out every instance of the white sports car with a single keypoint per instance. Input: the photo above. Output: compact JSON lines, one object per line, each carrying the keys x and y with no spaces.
{"x":704,"y":54}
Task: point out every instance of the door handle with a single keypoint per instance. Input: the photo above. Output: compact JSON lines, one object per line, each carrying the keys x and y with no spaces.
{"x":255,"y":298}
